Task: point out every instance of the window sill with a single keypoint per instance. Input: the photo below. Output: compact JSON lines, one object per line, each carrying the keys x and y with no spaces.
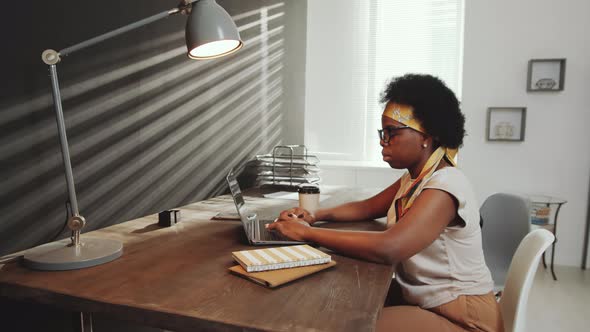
{"x":361,"y":174}
{"x":348,"y":164}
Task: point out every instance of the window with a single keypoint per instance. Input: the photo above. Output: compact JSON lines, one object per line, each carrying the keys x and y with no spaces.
{"x":354,"y":48}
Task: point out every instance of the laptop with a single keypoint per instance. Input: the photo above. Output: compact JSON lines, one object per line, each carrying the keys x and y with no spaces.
{"x":253,"y":226}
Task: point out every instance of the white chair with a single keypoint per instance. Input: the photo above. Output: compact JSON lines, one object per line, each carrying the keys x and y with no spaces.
{"x":506,"y":221}
{"x":521,"y":273}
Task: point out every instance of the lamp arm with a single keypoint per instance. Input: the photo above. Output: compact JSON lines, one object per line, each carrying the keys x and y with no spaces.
{"x":69,"y":50}
{"x":52,"y":57}
{"x":61,"y":127}
{"x":75,"y":222}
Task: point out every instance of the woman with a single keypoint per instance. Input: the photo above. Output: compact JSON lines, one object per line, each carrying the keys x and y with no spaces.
{"x":433,"y":234}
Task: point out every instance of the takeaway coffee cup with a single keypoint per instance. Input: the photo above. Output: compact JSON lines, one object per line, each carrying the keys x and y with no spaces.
{"x":309,"y":198}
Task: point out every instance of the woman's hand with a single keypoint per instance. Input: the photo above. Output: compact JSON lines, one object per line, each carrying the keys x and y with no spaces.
{"x":295,"y":214}
{"x":295,"y":229}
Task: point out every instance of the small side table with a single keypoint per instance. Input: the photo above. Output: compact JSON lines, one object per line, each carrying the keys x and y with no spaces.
{"x":545,"y":210}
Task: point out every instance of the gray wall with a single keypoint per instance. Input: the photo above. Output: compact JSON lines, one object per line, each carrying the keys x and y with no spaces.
{"x":148,"y":128}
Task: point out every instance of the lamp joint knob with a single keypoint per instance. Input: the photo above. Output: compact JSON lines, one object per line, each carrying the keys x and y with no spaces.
{"x":76,"y":223}
{"x":50,"y":57}
{"x":185,"y":6}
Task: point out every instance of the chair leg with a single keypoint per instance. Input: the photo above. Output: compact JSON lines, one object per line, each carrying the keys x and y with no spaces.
{"x":82,"y":322}
{"x":544,"y":263}
{"x":552,"y":258}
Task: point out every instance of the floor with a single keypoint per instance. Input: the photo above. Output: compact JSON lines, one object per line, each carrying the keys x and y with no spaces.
{"x":562,"y":305}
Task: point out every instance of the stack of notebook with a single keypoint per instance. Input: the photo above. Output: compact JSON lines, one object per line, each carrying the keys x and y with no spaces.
{"x":276,"y":266}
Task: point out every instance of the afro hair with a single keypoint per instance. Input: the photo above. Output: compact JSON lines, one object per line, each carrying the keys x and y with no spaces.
{"x":435,"y":106}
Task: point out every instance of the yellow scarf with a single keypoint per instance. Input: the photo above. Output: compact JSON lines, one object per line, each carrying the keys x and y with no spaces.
{"x":405,"y":115}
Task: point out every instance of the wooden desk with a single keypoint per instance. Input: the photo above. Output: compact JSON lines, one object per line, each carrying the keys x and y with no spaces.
{"x":176,"y":278}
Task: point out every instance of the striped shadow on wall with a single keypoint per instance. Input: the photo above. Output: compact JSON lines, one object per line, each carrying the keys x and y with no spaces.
{"x":148,"y":129}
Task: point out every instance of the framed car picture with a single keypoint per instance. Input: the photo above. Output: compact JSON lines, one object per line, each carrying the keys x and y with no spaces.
{"x":546,"y":75}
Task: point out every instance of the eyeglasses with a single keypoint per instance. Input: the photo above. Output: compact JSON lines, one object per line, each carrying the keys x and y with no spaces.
{"x":386,"y":133}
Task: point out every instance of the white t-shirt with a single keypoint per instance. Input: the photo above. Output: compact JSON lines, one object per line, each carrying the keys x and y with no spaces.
{"x":453,"y":264}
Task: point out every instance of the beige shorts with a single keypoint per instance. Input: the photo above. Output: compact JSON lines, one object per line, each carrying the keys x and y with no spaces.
{"x":466,"y":313}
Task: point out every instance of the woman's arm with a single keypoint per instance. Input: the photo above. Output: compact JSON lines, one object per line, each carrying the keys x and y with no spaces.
{"x":368,"y":209}
{"x":431,"y":212}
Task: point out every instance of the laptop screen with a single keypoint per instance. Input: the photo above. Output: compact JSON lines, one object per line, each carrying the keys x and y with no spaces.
{"x":236,"y":193}
{"x":250,"y":220}
{"x":234,"y":187}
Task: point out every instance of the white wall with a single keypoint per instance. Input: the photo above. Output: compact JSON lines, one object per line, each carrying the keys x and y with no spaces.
{"x":500,"y":37}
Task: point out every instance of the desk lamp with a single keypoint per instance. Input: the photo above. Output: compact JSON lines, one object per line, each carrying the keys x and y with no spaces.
{"x":210,"y":33}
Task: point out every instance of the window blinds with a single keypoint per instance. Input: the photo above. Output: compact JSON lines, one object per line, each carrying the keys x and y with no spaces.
{"x":354,"y":48}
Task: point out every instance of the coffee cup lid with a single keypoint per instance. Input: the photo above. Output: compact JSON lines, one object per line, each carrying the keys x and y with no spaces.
{"x":309,"y":189}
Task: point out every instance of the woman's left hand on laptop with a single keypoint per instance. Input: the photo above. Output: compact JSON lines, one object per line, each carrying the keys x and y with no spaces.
{"x":294,"y":228}
{"x":297,"y":213}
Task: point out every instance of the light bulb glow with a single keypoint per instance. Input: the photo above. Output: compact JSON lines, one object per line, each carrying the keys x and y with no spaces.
{"x":215,"y":49}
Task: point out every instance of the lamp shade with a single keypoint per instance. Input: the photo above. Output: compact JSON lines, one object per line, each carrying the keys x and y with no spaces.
{"x":210,"y":31}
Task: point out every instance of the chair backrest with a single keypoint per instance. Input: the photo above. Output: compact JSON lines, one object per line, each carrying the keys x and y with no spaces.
{"x":520,"y":278}
{"x":506,"y":221}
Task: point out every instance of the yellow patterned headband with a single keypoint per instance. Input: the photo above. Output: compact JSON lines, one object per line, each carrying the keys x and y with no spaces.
{"x":405,"y":114}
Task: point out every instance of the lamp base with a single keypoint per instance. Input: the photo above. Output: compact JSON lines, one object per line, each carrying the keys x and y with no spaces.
{"x":62,"y":255}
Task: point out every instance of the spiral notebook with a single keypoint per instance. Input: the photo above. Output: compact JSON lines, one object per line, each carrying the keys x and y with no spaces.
{"x":280,"y":258}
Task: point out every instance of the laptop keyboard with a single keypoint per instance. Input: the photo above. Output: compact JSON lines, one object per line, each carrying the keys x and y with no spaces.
{"x":266,"y":235}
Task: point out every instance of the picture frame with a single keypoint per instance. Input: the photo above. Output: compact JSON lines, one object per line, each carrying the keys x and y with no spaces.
{"x":546,"y":75}
{"x":506,"y":124}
